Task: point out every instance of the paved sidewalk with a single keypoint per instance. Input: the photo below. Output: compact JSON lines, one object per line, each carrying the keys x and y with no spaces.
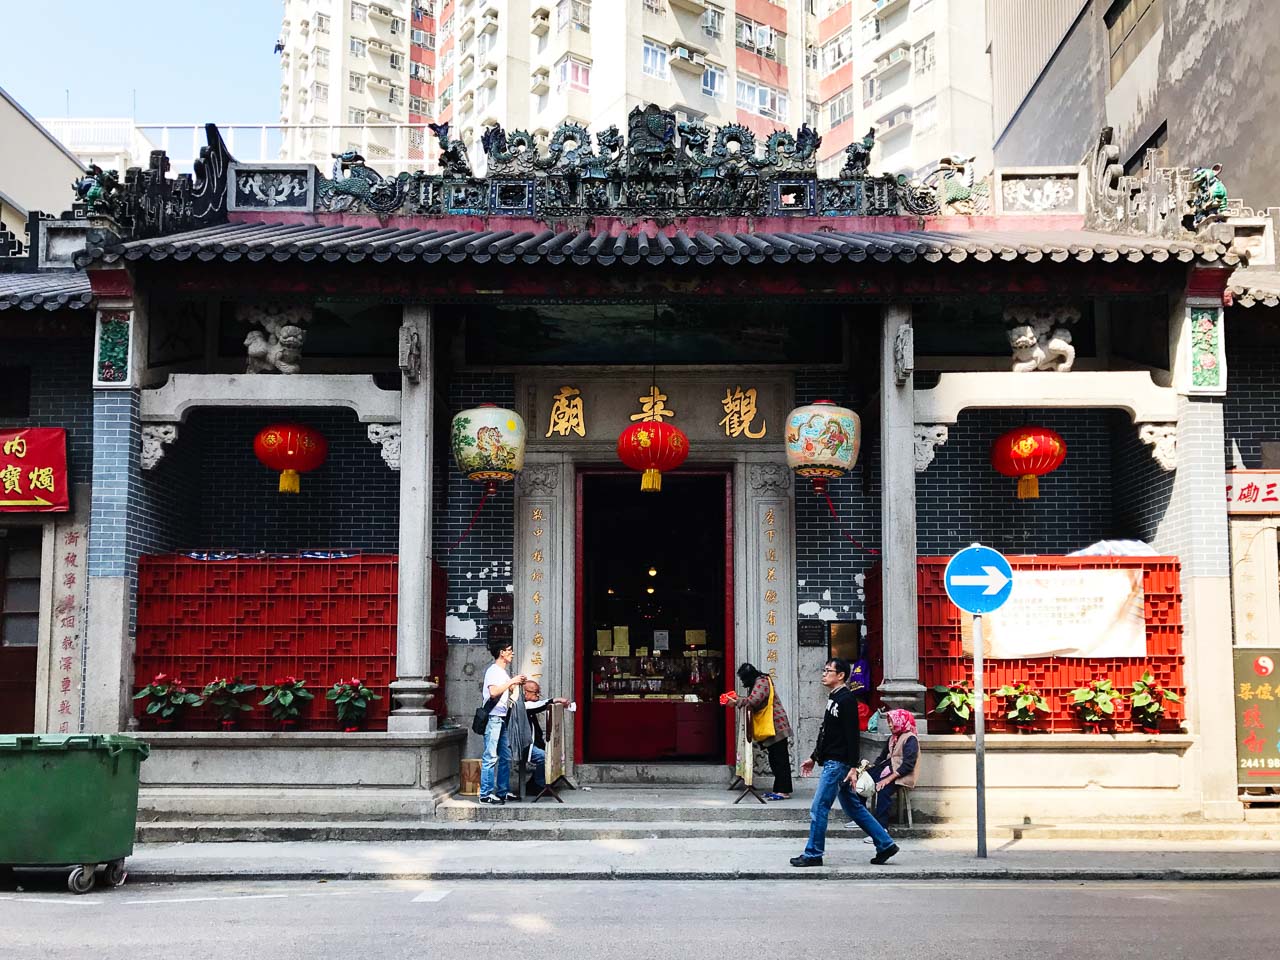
{"x":702,"y":859}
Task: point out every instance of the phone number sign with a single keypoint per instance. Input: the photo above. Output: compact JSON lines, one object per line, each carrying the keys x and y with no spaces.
{"x":1257,"y":710}
{"x":33,"y":470}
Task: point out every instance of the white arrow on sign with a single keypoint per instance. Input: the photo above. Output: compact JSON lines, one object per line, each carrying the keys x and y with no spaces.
{"x":992,"y":578}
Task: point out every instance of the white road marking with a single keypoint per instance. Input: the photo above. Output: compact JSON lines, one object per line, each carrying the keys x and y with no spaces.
{"x":249,"y":896}
{"x":67,"y":899}
{"x":431,"y":895}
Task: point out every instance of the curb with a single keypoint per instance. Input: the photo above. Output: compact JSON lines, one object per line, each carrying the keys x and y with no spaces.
{"x":161,"y":875}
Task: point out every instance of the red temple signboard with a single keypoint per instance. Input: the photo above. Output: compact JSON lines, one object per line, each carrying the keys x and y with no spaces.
{"x":33,"y":470}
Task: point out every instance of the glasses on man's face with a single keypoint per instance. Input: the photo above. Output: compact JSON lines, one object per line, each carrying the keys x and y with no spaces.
{"x":828,"y":670}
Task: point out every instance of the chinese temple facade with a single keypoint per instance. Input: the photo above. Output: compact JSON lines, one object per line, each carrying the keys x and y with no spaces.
{"x":670,"y":276}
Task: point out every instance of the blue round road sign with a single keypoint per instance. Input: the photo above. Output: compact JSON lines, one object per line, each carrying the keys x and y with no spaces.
{"x":978,"y":579}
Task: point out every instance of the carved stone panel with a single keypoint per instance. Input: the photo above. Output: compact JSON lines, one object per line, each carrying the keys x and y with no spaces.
{"x":271,"y":186}
{"x":1162,"y":438}
{"x":387,"y":436}
{"x":928,"y":437}
{"x":155,"y":437}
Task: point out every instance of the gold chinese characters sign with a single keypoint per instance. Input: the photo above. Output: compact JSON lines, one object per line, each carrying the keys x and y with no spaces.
{"x":707,"y":409}
{"x":33,"y":470}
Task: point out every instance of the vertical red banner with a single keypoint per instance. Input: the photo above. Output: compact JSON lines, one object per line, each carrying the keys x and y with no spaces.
{"x":33,"y":470}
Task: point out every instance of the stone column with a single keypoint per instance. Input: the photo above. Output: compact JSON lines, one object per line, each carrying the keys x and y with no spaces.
{"x":901,"y":686}
{"x":1195,"y":529}
{"x":412,"y":689}
{"x":118,"y":368}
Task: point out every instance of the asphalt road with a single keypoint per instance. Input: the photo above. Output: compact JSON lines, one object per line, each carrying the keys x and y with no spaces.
{"x":640,"y":919}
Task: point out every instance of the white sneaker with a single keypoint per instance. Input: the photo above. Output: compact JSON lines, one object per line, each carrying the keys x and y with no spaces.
{"x":867,"y":840}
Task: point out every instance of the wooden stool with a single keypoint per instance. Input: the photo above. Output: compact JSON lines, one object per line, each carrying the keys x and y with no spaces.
{"x":469,"y":777}
{"x":903,"y":802}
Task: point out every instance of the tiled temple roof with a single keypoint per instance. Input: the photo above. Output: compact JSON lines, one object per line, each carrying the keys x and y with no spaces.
{"x":1255,"y":286}
{"x":282,"y":241}
{"x":27,"y":291}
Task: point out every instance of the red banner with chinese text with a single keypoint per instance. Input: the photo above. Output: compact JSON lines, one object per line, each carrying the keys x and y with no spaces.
{"x":33,"y":470}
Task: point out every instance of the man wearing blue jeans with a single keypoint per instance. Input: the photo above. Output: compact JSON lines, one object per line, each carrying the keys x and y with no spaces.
{"x":495,"y":762}
{"x":837,"y":752}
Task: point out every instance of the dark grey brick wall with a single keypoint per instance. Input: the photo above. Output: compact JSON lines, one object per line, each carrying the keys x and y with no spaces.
{"x":828,"y":567}
{"x":1251,"y":410}
{"x":483,"y":561}
{"x":961,"y":499}
{"x":60,"y":393}
{"x":113,"y":541}
{"x":211,"y":493}
{"x":1140,"y":488}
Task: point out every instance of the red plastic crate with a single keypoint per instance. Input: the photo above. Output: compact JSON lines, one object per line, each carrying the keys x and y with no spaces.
{"x":1054,"y":677}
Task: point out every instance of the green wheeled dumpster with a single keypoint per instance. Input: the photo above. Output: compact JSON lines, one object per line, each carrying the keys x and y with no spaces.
{"x":69,"y":800}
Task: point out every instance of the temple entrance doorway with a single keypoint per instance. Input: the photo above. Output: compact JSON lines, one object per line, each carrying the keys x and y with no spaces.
{"x":655,"y":617}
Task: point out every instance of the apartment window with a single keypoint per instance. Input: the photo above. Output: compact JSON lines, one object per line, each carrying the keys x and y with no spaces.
{"x":395,"y":95}
{"x":870,"y":91}
{"x":812,"y":57}
{"x":320,"y":92}
{"x":925,"y":115}
{"x":761,"y":99}
{"x":838,"y":51}
{"x":359,"y":12}
{"x":322,"y":23}
{"x":417,"y":105}
{"x":322,"y":57}
{"x":354,"y":115}
{"x":420,"y":71}
{"x":396,"y":60}
{"x":1130,"y":24}
{"x":446,"y":60}
{"x":713,"y":22}
{"x":573,"y":12}
{"x":397,"y":25}
{"x":760,"y":39}
{"x":358,"y":48}
{"x":812,"y":112}
{"x":574,"y":74}
{"x":840,"y":107}
{"x":653,"y":61}
{"x":446,"y":97}
{"x":447,"y":24}
{"x":870,"y":29}
{"x":423,"y":39}
{"x":831,"y":6}
{"x":486,"y":43}
{"x":715,"y":82}
{"x":656,"y":6}
{"x":355,"y":82}
{"x":922,"y":56}
{"x":423,"y":10}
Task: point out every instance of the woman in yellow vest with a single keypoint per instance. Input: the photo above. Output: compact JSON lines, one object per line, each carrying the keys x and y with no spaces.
{"x":769,"y":726}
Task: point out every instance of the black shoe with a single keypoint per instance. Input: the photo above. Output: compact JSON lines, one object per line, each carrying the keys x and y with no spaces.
{"x":490,"y":800}
{"x":513,"y":798}
{"x":882,"y":856}
{"x":803,"y":861}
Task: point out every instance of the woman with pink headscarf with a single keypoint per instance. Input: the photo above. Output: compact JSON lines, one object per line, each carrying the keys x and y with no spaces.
{"x":896,"y":765}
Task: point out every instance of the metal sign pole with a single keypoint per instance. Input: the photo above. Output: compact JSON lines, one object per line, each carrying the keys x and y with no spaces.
{"x":979,"y":730}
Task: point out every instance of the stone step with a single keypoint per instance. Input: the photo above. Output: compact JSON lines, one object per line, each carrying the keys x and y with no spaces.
{"x":215,"y":831}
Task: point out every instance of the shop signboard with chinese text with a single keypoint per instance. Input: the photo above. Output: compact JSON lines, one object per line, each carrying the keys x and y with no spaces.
{"x":33,"y":470}
{"x":1253,"y":491}
{"x":1257,"y":710}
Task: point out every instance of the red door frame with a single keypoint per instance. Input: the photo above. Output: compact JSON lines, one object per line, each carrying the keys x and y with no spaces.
{"x":581,"y":689}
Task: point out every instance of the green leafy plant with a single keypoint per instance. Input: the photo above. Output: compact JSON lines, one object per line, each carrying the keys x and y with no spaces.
{"x":1148,"y":700}
{"x":1096,"y":700}
{"x":351,"y":697}
{"x":168,"y":698}
{"x":956,"y":700}
{"x":285,"y":697}
{"x":1023,"y":702}
{"x":225,"y":695}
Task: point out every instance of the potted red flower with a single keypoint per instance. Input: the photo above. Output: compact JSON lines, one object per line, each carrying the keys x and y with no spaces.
{"x":168,"y":699}
{"x":956,"y":703}
{"x":1148,"y":702}
{"x":1095,"y":702}
{"x":351,"y":698}
{"x":285,"y":697}
{"x":225,"y":695}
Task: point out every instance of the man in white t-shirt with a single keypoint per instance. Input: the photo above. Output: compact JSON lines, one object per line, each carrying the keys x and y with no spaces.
{"x":495,"y":762}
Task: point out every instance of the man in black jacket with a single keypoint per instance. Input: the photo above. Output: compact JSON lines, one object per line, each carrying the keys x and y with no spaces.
{"x":837,"y":752}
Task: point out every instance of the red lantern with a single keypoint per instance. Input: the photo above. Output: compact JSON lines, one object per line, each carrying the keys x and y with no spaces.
{"x":1028,"y":453}
{"x":292,"y":449}
{"x":652,"y":446}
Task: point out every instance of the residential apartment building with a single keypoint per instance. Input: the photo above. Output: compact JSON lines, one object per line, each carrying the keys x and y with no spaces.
{"x":1194,"y":82}
{"x":349,"y":67}
{"x":353,"y":73}
{"x":915,"y":70}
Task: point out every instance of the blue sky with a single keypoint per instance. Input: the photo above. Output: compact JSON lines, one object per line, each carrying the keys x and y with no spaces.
{"x":189,"y":61}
